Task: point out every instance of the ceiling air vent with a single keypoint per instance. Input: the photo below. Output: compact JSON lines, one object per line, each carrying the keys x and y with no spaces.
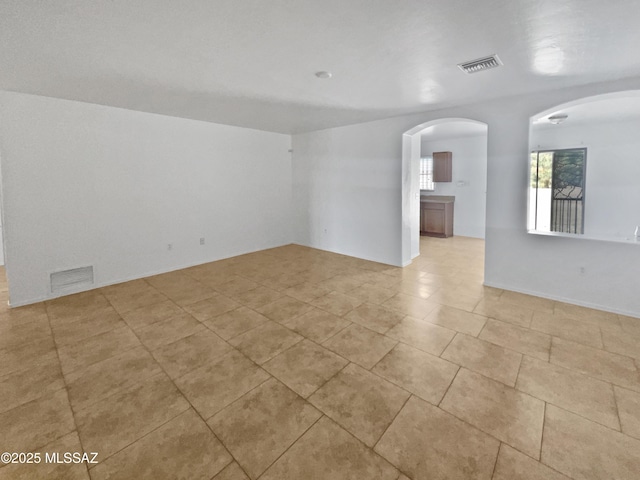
{"x":480,"y":64}
{"x":69,"y":280}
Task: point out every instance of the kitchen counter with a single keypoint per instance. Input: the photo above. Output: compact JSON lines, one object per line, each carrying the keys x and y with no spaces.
{"x":437,"y":198}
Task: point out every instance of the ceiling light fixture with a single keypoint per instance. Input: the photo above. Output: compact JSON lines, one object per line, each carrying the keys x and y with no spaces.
{"x":558,"y":118}
{"x":323,"y":74}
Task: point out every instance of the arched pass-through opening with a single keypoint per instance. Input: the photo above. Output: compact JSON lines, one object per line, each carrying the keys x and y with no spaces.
{"x":411,"y":153}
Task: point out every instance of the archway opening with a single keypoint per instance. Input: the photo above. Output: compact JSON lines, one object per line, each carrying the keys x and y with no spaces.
{"x":466,"y":139}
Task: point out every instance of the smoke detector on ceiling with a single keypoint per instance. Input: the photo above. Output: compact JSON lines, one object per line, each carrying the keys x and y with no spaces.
{"x":480,"y":64}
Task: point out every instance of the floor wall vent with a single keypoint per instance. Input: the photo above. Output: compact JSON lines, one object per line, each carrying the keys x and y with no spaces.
{"x":73,"y":279}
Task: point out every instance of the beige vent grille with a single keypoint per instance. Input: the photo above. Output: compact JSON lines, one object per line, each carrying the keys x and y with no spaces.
{"x":485,"y":63}
{"x":70,"y":280}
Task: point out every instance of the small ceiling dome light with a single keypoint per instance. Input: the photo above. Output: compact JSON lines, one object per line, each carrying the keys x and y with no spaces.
{"x":323,"y":74}
{"x":558,"y":118}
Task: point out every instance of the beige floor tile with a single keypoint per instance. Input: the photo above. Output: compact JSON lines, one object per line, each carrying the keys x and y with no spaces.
{"x":375,"y":317}
{"x":231,"y":472}
{"x":257,"y":297}
{"x":424,"y":375}
{"x":509,"y":415}
{"x":618,"y":340}
{"x":48,"y":470}
{"x":490,"y":360}
{"x":343,"y":283}
{"x":113,"y":423}
{"x":528,"y":301}
{"x":284,"y":309}
{"x":306,"y":292}
{"x":629,"y":411}
{"x":188,"y":294}
{"x":336,"y":303}
{"x":368,"y":293}
{"x":305,"y":367}
{"x":97,"y":348}
{"x":149,"y":314}
{"x":523,"y":340}
{"x":458,"y":320}
{"x":259,"y":427}
{"x":596,"y":317}
{"x":596,"y":363}
{"x":265,"y":342}
{"x":336,"y":456}
{"x":568,"y":328}
{"x":126,"y":301}
{"x":585,"y":450}
{"x":211,"y":307}
{"x":409,"y":305}
{"x":36,"y":312}
{"x":181,"y":448}
{"x":513,"y":465}
{"x":25,"y":356}
{"x":360,"y":345}
{"x":235,"y":322}
{"x":423,"y":335}
{"x":14,"y":334}
{"x":114,"y":375}
{"x":317,"y":325}
{"x":20,"y":387}
{"x":505,"y":312}
{"x":190,"y":352}
{"x":429,"y":444}
{"x":454,"y":299}
{"x":630,"y":324}
{"x":168,"y":331}
{"x":572,"y":391}
{"x":415,"y":288}
{"x":236,"y":285}
{"x":36,"y":423}
{"x":361,"y":402}
{"x":73,"y":332}
{"x":214,"y":386}
{"x":282,"y":281}
{"x":75,"y":307}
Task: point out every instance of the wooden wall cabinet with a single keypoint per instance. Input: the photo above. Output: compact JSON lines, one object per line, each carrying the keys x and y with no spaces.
{"x":442,"y":166}
{"x":436,"y":218}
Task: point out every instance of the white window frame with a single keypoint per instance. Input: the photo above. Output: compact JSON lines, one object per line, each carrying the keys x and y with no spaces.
{"x":426,"y":174}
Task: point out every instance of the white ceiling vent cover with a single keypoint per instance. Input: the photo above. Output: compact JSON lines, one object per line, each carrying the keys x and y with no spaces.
{"x":485,"y":63}
{"x":71,"y":279}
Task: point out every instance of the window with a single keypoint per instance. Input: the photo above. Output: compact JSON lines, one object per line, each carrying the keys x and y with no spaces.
{"x":557,"y":190}
{"x":426,"y":173}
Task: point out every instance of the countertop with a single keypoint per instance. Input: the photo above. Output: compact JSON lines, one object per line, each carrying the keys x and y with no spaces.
{"x":437,"y":199}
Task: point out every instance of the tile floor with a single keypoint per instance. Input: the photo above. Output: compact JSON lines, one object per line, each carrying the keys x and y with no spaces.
{"x":294,"y":363}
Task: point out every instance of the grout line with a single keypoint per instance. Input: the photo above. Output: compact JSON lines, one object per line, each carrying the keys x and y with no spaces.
{"x":391,"y":423}
{"x":495,"y":463}
{"x":66,"y":387}
{"x":295,"y":441}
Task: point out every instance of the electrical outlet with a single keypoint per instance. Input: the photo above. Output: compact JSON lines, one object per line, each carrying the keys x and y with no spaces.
{"x":169,"y":246}
{"x":201,"y":240}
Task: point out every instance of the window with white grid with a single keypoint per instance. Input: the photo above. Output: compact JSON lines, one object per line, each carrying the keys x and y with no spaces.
{"x":426,"y":173}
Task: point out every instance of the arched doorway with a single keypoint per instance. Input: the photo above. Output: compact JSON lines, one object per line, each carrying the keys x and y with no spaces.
{"x":412,"y":142}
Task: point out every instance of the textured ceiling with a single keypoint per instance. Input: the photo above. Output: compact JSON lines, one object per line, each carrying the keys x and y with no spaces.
{"x":252,"y":62}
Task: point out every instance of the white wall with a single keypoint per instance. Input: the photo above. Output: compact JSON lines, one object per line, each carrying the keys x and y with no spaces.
{"x":350,"y":181}
{"x":469,"y":167}
{"x":86,"y":184}
{"x":612,"y":192}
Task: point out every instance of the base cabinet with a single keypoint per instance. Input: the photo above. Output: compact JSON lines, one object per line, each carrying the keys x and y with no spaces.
{"x":436,"y":219}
